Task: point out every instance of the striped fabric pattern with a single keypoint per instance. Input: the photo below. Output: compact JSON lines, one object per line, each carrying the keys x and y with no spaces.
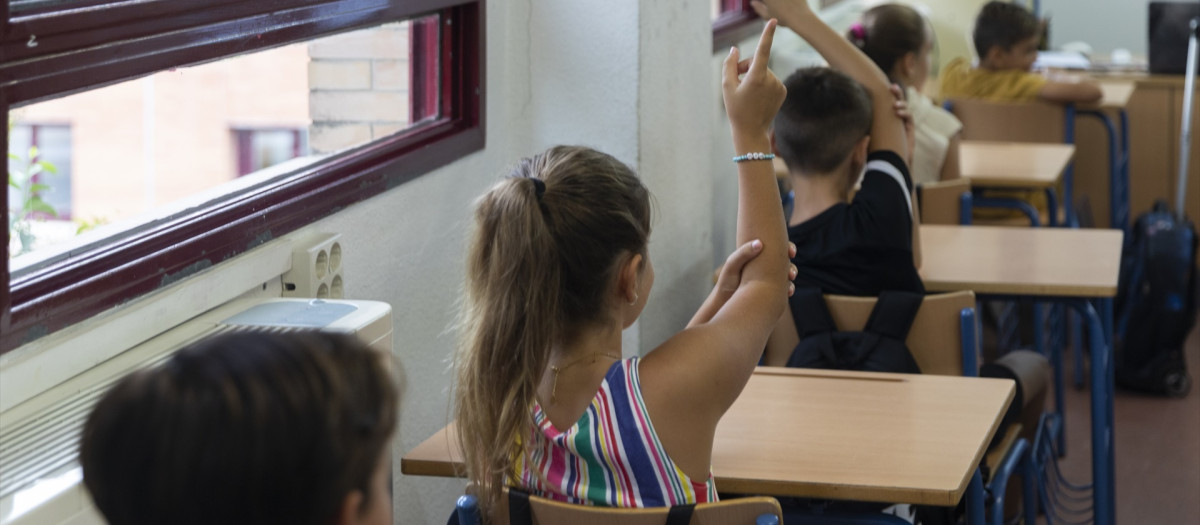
{"x":611,"y":456}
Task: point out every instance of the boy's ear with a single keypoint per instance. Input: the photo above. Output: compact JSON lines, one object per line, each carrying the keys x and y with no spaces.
{"x":994,"y":54}
{"x":861,"y":149}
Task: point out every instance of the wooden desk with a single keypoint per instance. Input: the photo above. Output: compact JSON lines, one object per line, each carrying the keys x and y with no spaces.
{"x":836,"y":435}
{"x":1021,"y":261}
{"x":857,"y":435}
{"x":1014,"y":164}
{"x":1116,"y":94}
{"x":1078,"y":268}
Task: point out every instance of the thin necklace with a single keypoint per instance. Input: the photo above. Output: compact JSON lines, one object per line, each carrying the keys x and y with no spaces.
{"x":557,"y":369}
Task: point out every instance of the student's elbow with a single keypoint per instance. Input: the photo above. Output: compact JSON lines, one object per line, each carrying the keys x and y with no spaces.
{"x":1071,"y":92}
{"x":770,"y":296}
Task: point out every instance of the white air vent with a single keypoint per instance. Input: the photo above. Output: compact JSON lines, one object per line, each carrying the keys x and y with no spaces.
{"x":40,"y":481}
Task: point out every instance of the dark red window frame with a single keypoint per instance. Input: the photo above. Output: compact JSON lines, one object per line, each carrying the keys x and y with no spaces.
{"x":44,"y":55}
{"x":736,"y":23}
{"x":423,"y":69}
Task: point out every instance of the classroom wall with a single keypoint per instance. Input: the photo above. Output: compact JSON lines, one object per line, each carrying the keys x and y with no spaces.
{"x":1104,"y":24}
{"x":629,"y":78}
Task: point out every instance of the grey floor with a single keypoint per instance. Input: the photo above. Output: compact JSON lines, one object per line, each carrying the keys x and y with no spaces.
{"x":1157,"y":444}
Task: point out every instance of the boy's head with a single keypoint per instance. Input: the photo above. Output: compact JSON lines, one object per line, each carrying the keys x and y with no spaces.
{"x":1006,"y":36}
{"x":247,"y":428}
{"x":823,"y":124}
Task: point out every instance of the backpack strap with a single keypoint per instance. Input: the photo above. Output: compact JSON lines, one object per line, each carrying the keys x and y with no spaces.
{"x":894,"y":314}
{"x":519,"y":511}
{"x":680,"y":514}
{"x":810,"y":314}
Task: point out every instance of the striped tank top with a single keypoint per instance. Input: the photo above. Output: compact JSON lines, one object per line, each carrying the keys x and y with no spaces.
{"x":611,"y":456}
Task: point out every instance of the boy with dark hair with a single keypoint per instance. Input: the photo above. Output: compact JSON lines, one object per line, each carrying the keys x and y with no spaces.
{"x":858,"y":246}
{"x":1006,"y":39}
{"x":834,"y":124}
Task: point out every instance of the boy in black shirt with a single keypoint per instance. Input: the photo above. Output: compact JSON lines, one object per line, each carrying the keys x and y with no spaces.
{"x":830,"y":127}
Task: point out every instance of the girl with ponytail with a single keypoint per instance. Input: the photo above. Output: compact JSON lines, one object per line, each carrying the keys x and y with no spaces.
{"x":558,"y":266}
{"x":900,"y":41}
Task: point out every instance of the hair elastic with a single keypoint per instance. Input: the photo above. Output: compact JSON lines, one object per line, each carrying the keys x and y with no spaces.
{"x":859,"y":32}
{"x":539,"y":187}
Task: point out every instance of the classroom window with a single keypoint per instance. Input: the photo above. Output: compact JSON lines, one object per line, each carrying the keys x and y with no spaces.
{"x":733,"y":21}
{"x":257,"y":149}
{"x":219,"y":125}
{"x":39,"y":178}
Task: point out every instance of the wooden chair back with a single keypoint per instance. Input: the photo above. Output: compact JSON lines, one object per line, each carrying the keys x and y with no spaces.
{"x":941,"y":202}
{"x":936,"y":335}
{"x":1010,"y":121}
{"x":739,"y":511}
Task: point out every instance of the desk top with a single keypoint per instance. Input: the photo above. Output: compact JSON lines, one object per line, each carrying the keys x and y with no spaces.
{"x":838,"y":435}
{"x":1014,"y":164}
{"x":1116,"y":94}
{"x":857,"y":435}
{"x":1057,"y":262}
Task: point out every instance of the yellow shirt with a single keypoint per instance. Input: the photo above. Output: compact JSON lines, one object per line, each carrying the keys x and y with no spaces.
{"x":960,"y":80}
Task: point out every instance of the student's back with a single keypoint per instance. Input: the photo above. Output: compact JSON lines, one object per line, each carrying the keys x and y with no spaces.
{"x":858,"y":246}
{"x":559,"y":265}
{"x":832,"y":125}
{"x":1006,"y":39}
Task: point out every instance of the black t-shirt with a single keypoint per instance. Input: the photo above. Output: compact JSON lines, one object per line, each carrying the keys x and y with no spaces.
{"x":863,"y":247}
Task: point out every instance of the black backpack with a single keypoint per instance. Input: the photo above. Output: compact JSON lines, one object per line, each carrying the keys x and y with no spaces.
{"x":878,"y":348}
{"x":1156,"y":304}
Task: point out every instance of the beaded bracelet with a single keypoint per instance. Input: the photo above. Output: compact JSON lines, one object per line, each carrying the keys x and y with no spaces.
{"x":754,"y":156}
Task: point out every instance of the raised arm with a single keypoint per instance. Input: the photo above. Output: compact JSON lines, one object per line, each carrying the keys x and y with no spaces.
{"x":703,"y":369}
{"x":887,"y":130}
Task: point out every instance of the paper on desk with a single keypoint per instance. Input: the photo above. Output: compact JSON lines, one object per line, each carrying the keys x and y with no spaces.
{"x":1061,"y":60}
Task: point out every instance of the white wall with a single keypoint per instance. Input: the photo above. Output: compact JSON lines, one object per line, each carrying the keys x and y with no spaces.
{"x":1104,"y":24}
{"x":630,"y":78}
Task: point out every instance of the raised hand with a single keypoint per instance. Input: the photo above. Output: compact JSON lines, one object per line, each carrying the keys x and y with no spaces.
{"x":752,"y":101}
{"x":767,"y":9}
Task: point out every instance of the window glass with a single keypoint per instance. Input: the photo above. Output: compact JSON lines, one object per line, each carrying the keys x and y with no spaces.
{"x":145,"y":148}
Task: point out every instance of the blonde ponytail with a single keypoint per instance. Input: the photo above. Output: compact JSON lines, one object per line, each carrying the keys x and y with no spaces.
{"x":542,"y":256}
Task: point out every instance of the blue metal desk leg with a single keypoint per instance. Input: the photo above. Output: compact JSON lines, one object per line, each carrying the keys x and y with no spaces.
{"x":1077,"y":347}
{"x":975,"y":500}
{"x":1029,"y":481}
{"x":1114,"y":167}
{"x":1056,"y":363}
{"x":1052,"y":207}
{"x":1122,"y":221}
{"x":1103,"y":458}
{"x":1039,"y":325}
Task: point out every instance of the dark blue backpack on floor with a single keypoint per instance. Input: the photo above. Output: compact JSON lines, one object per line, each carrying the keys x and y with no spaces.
{"x":878,"y":348}
{"x":1156,"y":303}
